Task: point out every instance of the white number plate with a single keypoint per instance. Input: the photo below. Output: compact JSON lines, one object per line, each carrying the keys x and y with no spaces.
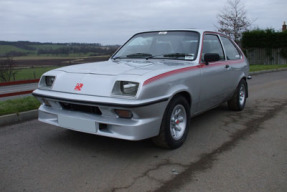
{"x":78,"y":124}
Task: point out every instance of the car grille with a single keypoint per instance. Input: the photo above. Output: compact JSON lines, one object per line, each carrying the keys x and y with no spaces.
{"x":81,"y":108}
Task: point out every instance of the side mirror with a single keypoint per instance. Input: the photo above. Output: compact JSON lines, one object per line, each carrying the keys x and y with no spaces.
{"x":211,"y":57}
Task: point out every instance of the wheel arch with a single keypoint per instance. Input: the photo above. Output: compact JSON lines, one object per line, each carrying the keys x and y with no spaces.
{"x":242,"y":77}
{"x":165,"y":138}
{"x":184,"y":94}
{"x":245,"y":79}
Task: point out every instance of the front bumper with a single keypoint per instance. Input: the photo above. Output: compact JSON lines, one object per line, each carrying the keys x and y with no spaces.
{"x":145,"y":123}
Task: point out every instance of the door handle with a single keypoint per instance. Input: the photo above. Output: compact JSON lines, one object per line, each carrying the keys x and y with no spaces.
{"x":227,"y":67}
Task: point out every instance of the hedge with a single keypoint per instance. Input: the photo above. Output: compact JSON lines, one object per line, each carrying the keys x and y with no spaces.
{"x":264,"y":39}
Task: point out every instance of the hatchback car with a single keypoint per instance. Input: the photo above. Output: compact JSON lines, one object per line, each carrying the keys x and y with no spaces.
{"x":149,"y":88}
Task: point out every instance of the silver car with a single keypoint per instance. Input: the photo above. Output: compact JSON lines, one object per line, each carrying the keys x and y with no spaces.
{"x":149,"y":88}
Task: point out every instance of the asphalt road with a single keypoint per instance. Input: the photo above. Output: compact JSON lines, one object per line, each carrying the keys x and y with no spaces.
{"x":225,"y":151}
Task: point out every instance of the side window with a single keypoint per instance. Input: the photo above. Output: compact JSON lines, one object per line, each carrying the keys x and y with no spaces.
{"x":231,"y":51}
{"x":211,"y":44}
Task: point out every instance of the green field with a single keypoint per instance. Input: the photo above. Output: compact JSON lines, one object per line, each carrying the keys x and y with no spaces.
{"x":31,"y":73}
{"x":8,"y":48}
{"x":30,"y":103}
{"x":36,"y":72}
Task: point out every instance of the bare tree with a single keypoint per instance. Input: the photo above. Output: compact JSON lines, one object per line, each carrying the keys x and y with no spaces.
{"x":233,"y":20}
{"x":7,"y":69}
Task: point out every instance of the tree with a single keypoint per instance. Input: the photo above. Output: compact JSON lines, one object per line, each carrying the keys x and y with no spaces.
{"x":233,"y":20}
{"x":7,"y":69}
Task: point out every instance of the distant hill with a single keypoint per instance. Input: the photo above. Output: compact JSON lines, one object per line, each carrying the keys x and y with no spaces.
{"x":27,"y":48}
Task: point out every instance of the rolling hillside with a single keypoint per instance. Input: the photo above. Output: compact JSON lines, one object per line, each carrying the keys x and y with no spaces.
{"x":34,"y":49}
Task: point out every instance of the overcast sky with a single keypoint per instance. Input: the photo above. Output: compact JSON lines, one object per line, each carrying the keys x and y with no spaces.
{"x":113,"y":22}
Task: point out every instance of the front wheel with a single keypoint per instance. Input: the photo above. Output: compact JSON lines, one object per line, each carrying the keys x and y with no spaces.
{"x":238,"y":100}
{"x":175,"y":124}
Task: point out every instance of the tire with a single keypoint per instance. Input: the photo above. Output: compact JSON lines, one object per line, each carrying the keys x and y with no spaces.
{"x":238,"y":100}
{"x":175,"y":124}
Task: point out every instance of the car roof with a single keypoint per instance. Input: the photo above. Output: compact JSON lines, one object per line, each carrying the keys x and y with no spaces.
{"x":201,"y":31}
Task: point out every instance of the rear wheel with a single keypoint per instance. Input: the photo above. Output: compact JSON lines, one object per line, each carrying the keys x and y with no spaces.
{"x":238,"y":100}
{"x":175,"y":124}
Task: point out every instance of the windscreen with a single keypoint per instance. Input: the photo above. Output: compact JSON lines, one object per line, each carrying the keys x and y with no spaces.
{"x":181,"y":45}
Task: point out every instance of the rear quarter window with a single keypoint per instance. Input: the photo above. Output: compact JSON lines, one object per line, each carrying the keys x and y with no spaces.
{"x":232,"y":53}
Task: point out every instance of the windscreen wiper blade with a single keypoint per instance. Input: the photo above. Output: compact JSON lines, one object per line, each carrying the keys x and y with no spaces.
{"x":176,"y":55}
{"x":115,"y":58}
{"x":139,"y":55}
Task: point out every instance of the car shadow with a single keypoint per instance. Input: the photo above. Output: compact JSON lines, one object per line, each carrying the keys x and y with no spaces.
{"x":79,"y":141}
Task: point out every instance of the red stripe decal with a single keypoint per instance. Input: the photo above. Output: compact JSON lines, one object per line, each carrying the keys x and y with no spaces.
{"x":163,"y":75}
{"x":16,"y":93}
{"x":170,"y":73}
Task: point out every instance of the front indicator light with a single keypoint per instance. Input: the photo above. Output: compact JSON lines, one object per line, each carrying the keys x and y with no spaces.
{"x":124,"y":113}
{"x":46,"y":102}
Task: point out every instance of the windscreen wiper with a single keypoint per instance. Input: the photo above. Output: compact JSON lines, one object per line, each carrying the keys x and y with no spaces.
{"x":176,"y":55}
{"x":139,"y":55}
{"x":172,"y":55}
{"x":115,"y":58}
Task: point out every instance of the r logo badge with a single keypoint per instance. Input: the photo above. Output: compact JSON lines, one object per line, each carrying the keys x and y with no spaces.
{"x":78,"y":87}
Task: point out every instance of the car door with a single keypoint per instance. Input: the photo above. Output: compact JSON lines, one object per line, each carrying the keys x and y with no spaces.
{"x":234,"y":62}
{"x":214,"y":75}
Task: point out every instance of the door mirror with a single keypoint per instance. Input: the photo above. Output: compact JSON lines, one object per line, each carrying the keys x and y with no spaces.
{"x":211,"y":57}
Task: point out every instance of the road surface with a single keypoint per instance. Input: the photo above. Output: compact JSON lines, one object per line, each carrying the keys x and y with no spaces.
{"x":225,"y":151}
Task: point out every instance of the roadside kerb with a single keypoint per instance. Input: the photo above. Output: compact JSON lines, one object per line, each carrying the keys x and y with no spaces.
{"x":29,"y":115}
{"x":267,"y":71}
{"x":18,"y":117}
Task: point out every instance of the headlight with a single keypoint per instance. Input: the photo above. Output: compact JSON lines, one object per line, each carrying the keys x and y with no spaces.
{"x":49,"y":80}
{"x":127,"y":88}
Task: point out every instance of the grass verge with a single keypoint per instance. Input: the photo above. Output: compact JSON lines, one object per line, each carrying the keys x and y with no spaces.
{"x":18,"y":105}
{"x":254,"y":68}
